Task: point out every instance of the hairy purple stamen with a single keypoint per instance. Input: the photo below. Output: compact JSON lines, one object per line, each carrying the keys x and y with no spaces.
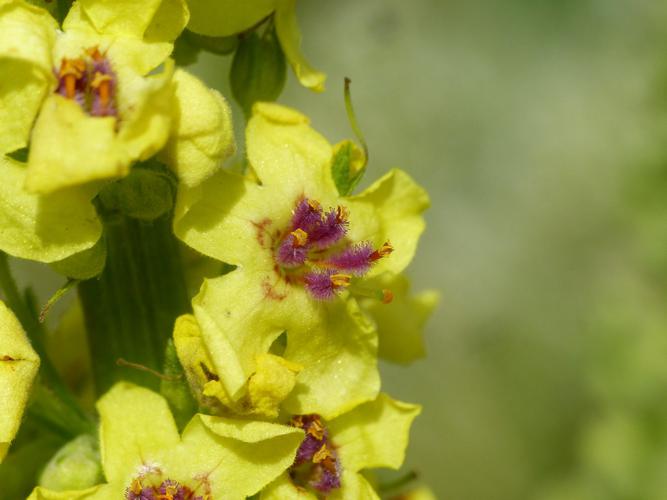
{"x":330,"y":229}
{"x":290,"y":254}
{"x":322,"y":284}
{"x":355,"y":260}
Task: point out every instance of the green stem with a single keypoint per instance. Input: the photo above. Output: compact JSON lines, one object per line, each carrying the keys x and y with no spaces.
{"x":130,"y":309}
{"x":52,"y":401}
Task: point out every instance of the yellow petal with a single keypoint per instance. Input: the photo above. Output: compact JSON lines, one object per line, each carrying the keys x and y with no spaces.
{"x":27,"y":35}
{"x":223,"y":219}
{"x":145,"y":108}
{"x":202,"y":135}
{"x":339,"y":357}
{"x":69,"y":148}
{"x":18,"y":366}
{"x":389,"y":210}
{"x":354,"y":486}
{"x":271,"y":383}
{"x":135,"y":423}
{"x":400,"y":323}
{"x":227,"y":17}
{"x":43,"y":228}
{"x":159,"y":19}
{"x":361,"y":434}
{"x":240,"y":456}
{"x":290,"y":40}
{"x":288,"y":155}
{"x":284,"y":489}
{"x":255,"y":311}
{"x":126,"y":53}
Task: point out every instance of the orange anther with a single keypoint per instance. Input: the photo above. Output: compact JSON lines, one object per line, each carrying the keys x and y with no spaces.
{"x":322,"y":454}
{"x":342,"y":213}
{"x":316,"y":429}
{"x":300,"y":237}
{"x":387,"y":296}
{"x":383,"y":251}
{"x":340,"y":280}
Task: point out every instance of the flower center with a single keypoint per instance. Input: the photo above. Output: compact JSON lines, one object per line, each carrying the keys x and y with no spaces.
{"x":316,"y":463}
{"x":90,"y":81}
{"x":315,"y":251}
{"x":145,"y":487}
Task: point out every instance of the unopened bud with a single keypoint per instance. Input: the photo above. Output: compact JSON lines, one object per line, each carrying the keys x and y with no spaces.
{"x":258,"y":70}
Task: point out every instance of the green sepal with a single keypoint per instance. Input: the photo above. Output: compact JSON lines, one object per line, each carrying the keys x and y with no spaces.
{"x":347,"y":167}
{"x":258,"y":70}
{"x":83,"y":265}
{"x":146,"y":194}
{"x":175,"y":389}
{"x":221,"y":45}
{"x":185,"y":53}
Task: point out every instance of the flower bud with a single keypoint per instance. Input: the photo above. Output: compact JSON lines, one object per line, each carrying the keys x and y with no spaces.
{"x":258,"y":70}
{"x":75,"y":466}
{"x":146,"y":194}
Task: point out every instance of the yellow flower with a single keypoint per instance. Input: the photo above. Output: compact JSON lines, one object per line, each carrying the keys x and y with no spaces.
{"x":302,"y":253}
{"x":333,"y":454}
{"x":90,"y":101}
{"x":142,"y":452}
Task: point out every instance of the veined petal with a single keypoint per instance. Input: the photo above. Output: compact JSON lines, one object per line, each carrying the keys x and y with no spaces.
{"x":226,"y":218}
{"x":27,"y":35}
{"x":400,"y":323}
{"x":339,"y":357}
{"x":239,"y":456}
{"x":135,"y":424}
{"x":288,"y":155}
{"x":69,"y":148}
{"x":241,"y":314}
{"x":390,"y":210}
{"x":290,"y":40}
{"x":361,"y":434}
{"x":43,"y":228}
{"x":18,"y":366}
{"x":227,"y":17}
{"x":202,"y":135}
{"x":154,"y":18}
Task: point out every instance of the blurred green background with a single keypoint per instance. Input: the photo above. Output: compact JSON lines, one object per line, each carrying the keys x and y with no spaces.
{"x":539,"y":129}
